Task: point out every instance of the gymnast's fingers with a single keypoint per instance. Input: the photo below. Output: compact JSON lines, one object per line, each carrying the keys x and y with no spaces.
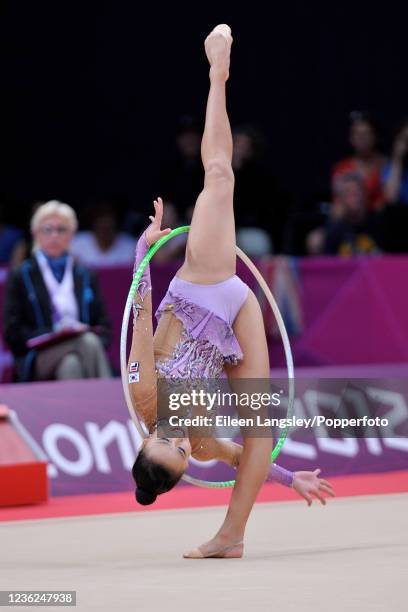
{"x":159,"y":209}
{"x":327,"y":489}
{"x":156,"y":220}
{"x":308,"y":498}
{"x":320,"y":496}
{"x":326,"y":482}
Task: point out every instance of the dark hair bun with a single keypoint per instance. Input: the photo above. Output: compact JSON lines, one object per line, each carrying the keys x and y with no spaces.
{"x":145,"y":497}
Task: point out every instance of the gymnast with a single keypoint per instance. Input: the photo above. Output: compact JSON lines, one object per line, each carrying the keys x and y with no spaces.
{"x":209,"y":323}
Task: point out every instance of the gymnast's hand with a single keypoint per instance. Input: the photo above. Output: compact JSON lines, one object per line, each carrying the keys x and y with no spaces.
{"x":154,"y":231}
{"x":308,"y":484}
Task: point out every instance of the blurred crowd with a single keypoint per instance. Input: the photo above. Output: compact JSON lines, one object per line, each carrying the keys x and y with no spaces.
{"x":368,"y":208}
{"x":365,"y":209}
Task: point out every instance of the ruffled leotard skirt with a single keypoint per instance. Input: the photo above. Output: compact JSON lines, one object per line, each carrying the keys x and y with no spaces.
{"x":207,"y":313}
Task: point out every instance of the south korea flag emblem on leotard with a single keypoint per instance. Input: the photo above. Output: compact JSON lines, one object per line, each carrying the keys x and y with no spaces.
{"x":134,"y":377}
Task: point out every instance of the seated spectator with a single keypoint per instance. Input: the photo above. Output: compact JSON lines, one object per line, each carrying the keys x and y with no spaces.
{"x":351,"y":229}
{"x":50,"y":294}
{"x":395,"y":173}
{"x":366,"y":160}
{"x":103,"y":245}
{"x":12,"y":243}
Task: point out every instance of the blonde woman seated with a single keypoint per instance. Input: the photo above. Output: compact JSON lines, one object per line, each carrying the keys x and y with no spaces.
{"x":49,"y":293}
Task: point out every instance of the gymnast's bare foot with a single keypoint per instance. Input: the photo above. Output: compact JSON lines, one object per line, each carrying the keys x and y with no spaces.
{"x":219,"y":548}
{"x":218,"y":49}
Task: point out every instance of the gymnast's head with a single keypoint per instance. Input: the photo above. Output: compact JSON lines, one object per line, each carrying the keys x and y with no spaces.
{"x":159,"y":465}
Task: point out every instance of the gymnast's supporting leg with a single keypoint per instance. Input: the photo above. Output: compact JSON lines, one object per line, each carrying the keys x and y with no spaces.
{"x":255,"y":459}
{"x":210,"y":253}
{"x":256,"y":455}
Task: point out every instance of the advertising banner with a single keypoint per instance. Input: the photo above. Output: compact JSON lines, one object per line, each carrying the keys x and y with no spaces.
{"x":85,"y":430}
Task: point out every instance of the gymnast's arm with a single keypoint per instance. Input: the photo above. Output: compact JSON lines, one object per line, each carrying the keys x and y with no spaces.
{"x":141,"y":365}
{"x":141,"y":368}
{"x":305,"y":483}
{"x":230,"y":453}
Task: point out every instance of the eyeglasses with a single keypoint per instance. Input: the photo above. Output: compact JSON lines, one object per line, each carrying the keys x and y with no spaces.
{"x":58,"y":229}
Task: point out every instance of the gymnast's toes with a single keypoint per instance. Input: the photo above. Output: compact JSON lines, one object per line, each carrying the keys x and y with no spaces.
{"x":223,"y":29}
{"x":193,"y":554}
{"x":232,"y":551}
{"x":218,"y":46}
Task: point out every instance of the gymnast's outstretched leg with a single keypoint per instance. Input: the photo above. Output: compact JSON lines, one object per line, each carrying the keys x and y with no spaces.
{"x":210,"y":252}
